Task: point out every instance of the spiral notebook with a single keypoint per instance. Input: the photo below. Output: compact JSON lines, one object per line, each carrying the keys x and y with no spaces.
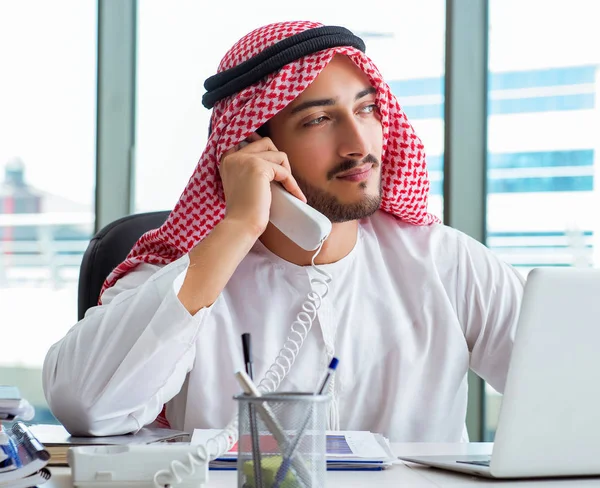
{"x":346,"y":450}
{"x":22,"y":458}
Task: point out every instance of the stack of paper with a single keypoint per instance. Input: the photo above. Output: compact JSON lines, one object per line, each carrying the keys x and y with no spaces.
{"x":12,"y":406}
{"x":346,"y":450}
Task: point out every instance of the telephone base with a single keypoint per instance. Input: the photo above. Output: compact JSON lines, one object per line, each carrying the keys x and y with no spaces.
{"x":134,"y":466}
{"x":132,"y":484}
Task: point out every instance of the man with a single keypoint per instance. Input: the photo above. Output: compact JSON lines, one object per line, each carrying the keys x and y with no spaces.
{"x":410,"y":304}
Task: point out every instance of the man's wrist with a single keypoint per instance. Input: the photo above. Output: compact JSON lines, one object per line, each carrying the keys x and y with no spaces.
{"x":240,"y":229}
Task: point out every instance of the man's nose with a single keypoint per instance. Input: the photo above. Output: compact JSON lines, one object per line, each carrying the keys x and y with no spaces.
{"x":352,"y":139}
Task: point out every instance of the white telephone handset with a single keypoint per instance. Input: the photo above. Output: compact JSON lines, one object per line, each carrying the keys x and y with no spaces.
{"x":298,"y":221}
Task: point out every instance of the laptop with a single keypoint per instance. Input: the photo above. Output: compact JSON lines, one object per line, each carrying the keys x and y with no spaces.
{"x":550,"y":416}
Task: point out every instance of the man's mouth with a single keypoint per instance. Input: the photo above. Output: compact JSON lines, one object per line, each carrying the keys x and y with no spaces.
{"x":359,"y":173}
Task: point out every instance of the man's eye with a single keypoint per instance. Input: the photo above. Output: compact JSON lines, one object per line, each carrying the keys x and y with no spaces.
{"x":316,"y":121}
{"x":369,"y":108}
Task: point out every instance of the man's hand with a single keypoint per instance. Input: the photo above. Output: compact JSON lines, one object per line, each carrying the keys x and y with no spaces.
{"x":246,"y":172}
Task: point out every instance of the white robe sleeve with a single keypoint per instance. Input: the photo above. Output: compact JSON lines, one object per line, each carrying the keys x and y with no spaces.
{"x":489,"y":294}
{"x":114,"y":370}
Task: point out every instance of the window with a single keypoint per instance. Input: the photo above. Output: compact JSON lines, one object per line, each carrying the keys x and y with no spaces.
{"x":47,"y":128}
{"x":543,"y":143}
{"x":175,"y":57}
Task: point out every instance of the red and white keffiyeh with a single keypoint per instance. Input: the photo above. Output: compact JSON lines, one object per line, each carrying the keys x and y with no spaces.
{"x":202,"y":206}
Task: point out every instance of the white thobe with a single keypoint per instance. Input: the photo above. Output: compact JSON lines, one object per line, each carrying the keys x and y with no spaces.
{"x":408,"y":311}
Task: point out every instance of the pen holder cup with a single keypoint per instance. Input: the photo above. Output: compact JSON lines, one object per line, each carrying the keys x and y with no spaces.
{"x":283,"y":434}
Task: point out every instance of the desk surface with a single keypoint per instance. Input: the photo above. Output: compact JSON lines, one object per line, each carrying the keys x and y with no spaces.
{"x":403,"y":474}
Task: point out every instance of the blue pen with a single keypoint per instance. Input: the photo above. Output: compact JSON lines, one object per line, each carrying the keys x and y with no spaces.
{"x":287,"y":458}
{"x":330,"y":371}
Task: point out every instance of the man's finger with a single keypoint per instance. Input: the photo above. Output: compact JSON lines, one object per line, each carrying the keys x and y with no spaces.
{"x":260,"y":145}
{"x":234,"y":149}
{"x":253,"y":137}
{"x":276,"y":157}
{"x":289,"y":183}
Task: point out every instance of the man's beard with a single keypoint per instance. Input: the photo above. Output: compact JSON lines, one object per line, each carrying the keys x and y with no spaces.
{"x":333,"y":209}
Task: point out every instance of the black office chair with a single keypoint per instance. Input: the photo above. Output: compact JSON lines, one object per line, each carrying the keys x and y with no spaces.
{"x":107,"y":249}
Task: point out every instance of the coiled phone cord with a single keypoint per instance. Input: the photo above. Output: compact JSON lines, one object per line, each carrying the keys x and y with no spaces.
{"x":221,"y":443}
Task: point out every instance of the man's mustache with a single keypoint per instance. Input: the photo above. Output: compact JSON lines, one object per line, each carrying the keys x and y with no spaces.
{"x":351,"y":163}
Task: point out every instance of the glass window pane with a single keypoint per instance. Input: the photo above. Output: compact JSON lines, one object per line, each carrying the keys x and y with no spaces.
{"x":543,"y":142}
{"x":175,"y":57}
{"x":47,"y":154}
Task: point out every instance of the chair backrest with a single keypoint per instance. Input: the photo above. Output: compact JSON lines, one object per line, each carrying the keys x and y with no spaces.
{"x":107,"y":249}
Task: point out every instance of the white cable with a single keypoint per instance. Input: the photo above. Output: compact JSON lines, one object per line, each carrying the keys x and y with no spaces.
{"x":299,"y":330}
{"x":223,"y":442}
{"x":280,"y":368}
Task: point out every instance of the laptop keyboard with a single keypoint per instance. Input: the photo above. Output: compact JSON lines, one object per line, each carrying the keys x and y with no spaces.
{"x":477,"y":463}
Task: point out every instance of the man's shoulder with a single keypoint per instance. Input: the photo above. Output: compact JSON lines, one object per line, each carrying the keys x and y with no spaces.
{"x":436,"y":242}
{"x":383,"y":224}
{"x":443,"y":245}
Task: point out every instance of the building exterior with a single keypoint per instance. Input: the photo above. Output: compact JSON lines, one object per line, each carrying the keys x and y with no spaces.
{"x":544,"y":141}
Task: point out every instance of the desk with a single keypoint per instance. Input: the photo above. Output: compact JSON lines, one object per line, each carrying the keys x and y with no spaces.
{"x":400,"y":475}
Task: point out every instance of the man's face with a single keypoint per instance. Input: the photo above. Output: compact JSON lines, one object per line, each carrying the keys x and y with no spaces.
{"x":333,"y":138}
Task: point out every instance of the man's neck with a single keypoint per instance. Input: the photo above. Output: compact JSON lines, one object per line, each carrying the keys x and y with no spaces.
{"x":337,"y":246}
